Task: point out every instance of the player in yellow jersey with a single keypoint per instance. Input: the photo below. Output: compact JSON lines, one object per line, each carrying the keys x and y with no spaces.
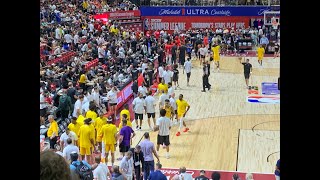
{"x":85,"y":137}
{"x":182,"y":109}
{"x":126,"y":111}
{"x":216,"y":56}
{"x":169,"y":109}
{"x":90,"y":113}
{"x":260,"y":53}
{"x":98,"y":123}
{"x":108,"y":134}
{"x":162,"y":87}
{"x":125,"y":117}
{"x":74,"y":126}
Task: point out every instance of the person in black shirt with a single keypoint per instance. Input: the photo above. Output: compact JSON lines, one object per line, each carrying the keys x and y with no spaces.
{"x":134,"y":88}
{"x":72,"y":93}
{"x":202,"y":176}
{"x":138,"y":161}
{"x":174,"y":53}
{"x":161,"y":55}
{"x":205,"y":77}
{"x":134,"y":73}
{"x":247,"y":68}
{"x":182,"y":54}
{"x":175,"y":77}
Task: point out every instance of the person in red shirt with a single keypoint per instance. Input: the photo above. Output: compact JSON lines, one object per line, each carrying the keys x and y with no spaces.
{"x":157,"y":34}
{"x":168,"y":52}
{"x":205,"y":40}
{"x":140,"y":80}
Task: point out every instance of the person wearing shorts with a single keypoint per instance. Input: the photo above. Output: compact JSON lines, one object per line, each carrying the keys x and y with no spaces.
{"x":86,"y":140}
{"x":182,"y":109}
{"x":163,"y":125}
{"x":247,"y":68}
{"x":108,"y":134}
{"x":150,"y":108}
{"x":126,"y":134}
{"x":139,"y":107}
{"x":216,"y":56}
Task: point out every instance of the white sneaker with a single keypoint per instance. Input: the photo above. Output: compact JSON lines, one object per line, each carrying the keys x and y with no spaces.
{"x":218,"y":70}
{"x":137,"y":128}
{"x":167,"y":156}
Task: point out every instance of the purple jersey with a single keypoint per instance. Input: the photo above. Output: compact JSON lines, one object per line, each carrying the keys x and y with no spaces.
{"x":126,"y":133}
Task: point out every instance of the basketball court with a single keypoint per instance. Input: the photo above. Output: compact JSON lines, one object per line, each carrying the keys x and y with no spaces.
{"x":226,"y":132}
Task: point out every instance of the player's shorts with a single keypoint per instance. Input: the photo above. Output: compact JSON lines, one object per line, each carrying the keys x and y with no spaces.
{"x":246,"y":75}
{"x":153,"y":115}
{"x":202,"y":56}
{"x":180,"y":115}
{"x":109,"y":147}
{"x":163,"y":140}
{"x":85,"y":151}
{"x":216,"y":59}
{"x":138,"y":116}
{"x":188,"y":75}
{"x":124,"y":148}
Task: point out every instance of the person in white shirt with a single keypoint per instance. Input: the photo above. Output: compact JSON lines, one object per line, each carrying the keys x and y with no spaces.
{"x":76,"y":40}
{"x":170,"y":89}
{"x":167,"y":76}
{"x":69,"y":149}
{"x":96,"y":96}
{"x":65,"y":136}
{"x":203,"y":53}
{"x":77,"y":110}
{"x":187,"y":67}
{"x":163,"y":125}
{"x":184,"y":175}
{"x":162,"y":98}
{"x":139,"y":106}
{"x":126,"y":165}
{"x":101,"y":172}
{"x":101,"y":53}
{"x":143,"y":90}
{"x":113,"y":99}
{"x":84,"y":48}
{"x":150,"y":108}
{"x":91,"y":27}
{"x":160,"y":70}
{"x":173,"y":104}
{"x":58,"y":33}
{"x":68,"y":38}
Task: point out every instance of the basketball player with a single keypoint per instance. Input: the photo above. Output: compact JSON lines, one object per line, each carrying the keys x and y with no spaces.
{"x":162,"y":99}
{"x":216,"y":56}
{"x":150,"y":108}
{"x":187,"y":66}
{"x":139,"y":105}
{"x":174,"y":106}
{"x":169,"y":109}
{"x":164,"y":126}
{"x":175,"y":77}
{"x":182,"y":109}
{"x":203,"y":53}
{"x":260,"y":52}
{"x":247,"y":68}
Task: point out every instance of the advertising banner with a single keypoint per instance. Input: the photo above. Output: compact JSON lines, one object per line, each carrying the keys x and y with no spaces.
{"x":204,"y":11}
{"x":124,"y":95}
{"x":120,"y":14}
{"x":270,"y":88}
{"x":153,"y":23}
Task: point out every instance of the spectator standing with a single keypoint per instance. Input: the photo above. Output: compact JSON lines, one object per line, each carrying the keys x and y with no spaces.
{"x":157,"y":174}
{"x":138,"y":162}
{"x":126,"y":165}
{"x":69,"y":149}
{"x":202,"y":176}
{"x":52,"y":132}
{"x":101,"y":172}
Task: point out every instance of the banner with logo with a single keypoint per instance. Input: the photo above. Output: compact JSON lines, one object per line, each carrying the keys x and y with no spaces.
{"x":204,"y":11}
{"x":118,"y":15}
{"x":264,"y":99}
{"x":169,"y":24}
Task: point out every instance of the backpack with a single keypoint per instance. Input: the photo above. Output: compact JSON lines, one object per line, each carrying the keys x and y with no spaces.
{"x":63,"y":102}
{"x":84,"y":172}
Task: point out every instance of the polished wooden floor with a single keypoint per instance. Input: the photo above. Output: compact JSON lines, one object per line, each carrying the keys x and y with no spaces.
{"x":220,"y":121}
